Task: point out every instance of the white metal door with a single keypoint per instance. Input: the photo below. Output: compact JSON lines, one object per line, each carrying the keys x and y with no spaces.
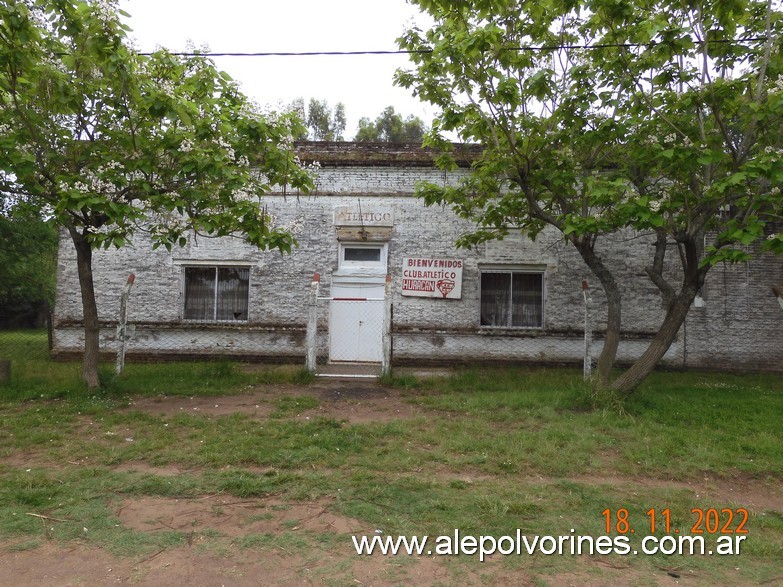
{"x":356,"y":324}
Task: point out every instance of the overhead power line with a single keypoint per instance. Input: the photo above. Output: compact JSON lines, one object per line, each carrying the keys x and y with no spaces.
{"x":286,"y":53}
{"x":424,"y":51}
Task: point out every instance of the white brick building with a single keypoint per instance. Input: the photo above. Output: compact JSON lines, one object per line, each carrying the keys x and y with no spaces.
{"x":511,"y":300}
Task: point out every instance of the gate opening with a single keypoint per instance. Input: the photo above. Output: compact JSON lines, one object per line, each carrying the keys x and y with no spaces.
{"x":349,"y":336}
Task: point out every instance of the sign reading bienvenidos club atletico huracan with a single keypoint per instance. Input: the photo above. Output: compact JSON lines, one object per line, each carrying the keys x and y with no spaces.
{"x":432,"y":278}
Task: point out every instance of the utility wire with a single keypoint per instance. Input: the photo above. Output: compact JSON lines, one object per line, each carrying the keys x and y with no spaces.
{"x":286,"y":53}
{"x":424,"y":51}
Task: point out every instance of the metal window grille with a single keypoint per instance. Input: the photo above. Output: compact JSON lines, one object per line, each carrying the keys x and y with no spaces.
{"x":512,"y":299}
{"x":215,"y":294}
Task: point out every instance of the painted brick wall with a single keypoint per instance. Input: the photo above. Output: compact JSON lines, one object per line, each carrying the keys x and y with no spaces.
{"x":739,"y":326}
{"x":741,"y":322}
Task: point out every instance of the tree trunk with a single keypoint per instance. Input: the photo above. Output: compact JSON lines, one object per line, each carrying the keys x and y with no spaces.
{"x":693,"y":279}
{"x":612,"y":336}
{"x":614,"y":309}
{"x":89,"y":309}
{"x":667,"y":333}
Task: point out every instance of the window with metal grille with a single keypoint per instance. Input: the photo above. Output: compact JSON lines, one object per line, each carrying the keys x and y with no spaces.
{"x":512,"y":299}
{"x":216,"y":294}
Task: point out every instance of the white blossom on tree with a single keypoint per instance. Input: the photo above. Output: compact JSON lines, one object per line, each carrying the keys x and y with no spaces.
{"x":111,"y":142}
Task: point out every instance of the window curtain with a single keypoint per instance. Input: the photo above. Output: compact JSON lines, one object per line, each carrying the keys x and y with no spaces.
{"x":199,"y":293}
{"x":495,"y":299}
{"x":527,"y":300}
{"x":216,"y":293}
{"x":512,"y":299}
{"x":232,"y":293}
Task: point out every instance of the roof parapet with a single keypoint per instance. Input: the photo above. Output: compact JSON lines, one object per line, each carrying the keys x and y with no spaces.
{"x":358,"y":154}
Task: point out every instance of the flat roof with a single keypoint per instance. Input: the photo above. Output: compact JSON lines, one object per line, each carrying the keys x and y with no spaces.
{"x":357,"y":154}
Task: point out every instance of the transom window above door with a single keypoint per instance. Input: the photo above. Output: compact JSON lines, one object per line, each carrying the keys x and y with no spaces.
{"x":363,"y":256}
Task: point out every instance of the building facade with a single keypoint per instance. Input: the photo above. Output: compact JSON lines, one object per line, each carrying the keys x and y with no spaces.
{"x":513,"y":300}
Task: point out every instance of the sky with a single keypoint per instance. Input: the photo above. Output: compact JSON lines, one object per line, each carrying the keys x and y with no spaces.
{"x":363,"y":83}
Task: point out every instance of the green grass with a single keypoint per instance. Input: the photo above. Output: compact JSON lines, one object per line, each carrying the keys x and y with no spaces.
{"x":35,"y":376}
{"x":492,"y":451}
{"x":674,"y":425}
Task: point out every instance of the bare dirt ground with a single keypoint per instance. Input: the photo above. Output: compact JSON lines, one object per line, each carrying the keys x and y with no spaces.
{"x":200,"y":563}
{"x":353,"y":402}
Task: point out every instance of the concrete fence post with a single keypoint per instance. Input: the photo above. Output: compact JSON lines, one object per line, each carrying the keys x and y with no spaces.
{"x":387,"y":326}
{"x":588,"y":359}
{"x":123,"y":332}
{"x":312,"y":323}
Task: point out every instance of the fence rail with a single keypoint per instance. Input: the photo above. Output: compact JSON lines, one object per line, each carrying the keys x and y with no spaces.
{"x":353,"y":335}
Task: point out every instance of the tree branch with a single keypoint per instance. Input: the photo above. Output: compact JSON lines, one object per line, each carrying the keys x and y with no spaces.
{"x":655,"y":272}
